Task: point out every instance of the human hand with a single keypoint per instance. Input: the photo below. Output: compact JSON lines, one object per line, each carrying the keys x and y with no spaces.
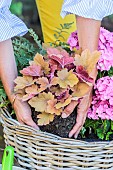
{"x":82,"y":110}
{"x":23,"y":113}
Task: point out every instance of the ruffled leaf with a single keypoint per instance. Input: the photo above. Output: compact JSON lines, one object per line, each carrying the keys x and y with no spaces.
{"x":32,"y":70}
{"x":62,"y":105}
{"x":22,"y":82}
{"x":87,"y":59}
{"x":31,"y":92}
{"x":61,"y":56}
{"x":63,"y":96}
{"x":44,"y":83}
{"x":45,"y":118}
{"x":40,"y":102}
{"x":66,"y":78}
{"x":52,"y":109}
{"x":57,"y":51}
{"x":39,"y":60}
{"x":83,"y":75}
{"x":80,"y":90}
{"x":57,"y":90}
{"x":33,"y":89}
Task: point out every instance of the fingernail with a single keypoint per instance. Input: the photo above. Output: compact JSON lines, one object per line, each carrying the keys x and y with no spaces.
{"x":64,"y":115}
{"x":70,"y":135}
{"x":36,"y":127}
{"x":75,"y":136}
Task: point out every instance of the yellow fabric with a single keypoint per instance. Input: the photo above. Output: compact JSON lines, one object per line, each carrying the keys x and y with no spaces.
{"x":49,"y":12}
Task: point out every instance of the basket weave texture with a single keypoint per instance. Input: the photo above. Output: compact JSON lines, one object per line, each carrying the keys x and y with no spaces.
{"x":37,"y":150}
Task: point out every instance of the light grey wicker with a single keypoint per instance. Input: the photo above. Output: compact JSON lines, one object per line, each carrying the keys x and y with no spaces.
{"x":37,"y":150}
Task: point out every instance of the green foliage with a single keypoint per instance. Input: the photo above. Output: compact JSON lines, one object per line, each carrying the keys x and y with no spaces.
{"x":3,"y":98}
{"x":2,"y":93}
{"x":105,"y":73}
{"x":103,"y":129}
{"x":16,"y":8}
{"x":110,"y":72}
{"x":60,"y":31}
{"x":24,"y":52}
{"x":37,"y":41}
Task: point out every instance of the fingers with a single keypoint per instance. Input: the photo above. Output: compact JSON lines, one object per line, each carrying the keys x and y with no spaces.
{"x":69,"y":109}
{"x":26,"y":120}
{"x":75,"y":131}
{"x":77,"y":128}
{"x":81,"y":115}
{"x":31,"y":123}
{"x":21,"y":122}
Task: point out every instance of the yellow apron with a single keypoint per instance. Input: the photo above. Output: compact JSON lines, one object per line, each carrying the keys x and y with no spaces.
{"x":49,"y":12}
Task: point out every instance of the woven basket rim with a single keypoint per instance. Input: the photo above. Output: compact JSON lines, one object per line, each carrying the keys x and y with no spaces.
{"x":5,"y":115}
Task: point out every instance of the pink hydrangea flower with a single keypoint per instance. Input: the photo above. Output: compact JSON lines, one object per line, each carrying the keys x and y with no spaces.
{"x":102,"y":103}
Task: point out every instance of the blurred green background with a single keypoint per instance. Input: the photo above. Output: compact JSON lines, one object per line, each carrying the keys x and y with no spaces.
{"x":27,"y":11}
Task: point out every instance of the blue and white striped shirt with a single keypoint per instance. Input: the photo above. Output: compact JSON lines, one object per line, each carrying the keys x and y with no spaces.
{"x":95,"y":9}
{"x":10,"y":25}
{"x":4,"y":3}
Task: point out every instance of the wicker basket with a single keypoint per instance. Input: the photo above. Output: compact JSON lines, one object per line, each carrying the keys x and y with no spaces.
{"x":37,"y":150}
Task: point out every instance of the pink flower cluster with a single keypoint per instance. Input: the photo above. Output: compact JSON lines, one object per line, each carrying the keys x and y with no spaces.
{"x":73,"y":40}
{"x":102,"y":104}
{"x":105,"y":46}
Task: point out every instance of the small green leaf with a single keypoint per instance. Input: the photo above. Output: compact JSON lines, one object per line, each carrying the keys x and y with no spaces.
{"x":111,"y":125}
{"x":107,"y":125}
{"x":110,"y":72}
{"x":100,"y":133}
{"x":82,"y":132}
{"x":108,"y":135}
{"x":62,"y":30}
{"x":55,"y":35}
{"x":61,"y":26}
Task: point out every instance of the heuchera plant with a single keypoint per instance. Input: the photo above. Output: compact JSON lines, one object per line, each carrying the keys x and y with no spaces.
{"x":52,"y":81}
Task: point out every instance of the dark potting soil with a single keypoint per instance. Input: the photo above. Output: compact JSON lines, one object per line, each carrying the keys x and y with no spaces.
{"x":62,"y":127}
{"x":59,"y":126}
